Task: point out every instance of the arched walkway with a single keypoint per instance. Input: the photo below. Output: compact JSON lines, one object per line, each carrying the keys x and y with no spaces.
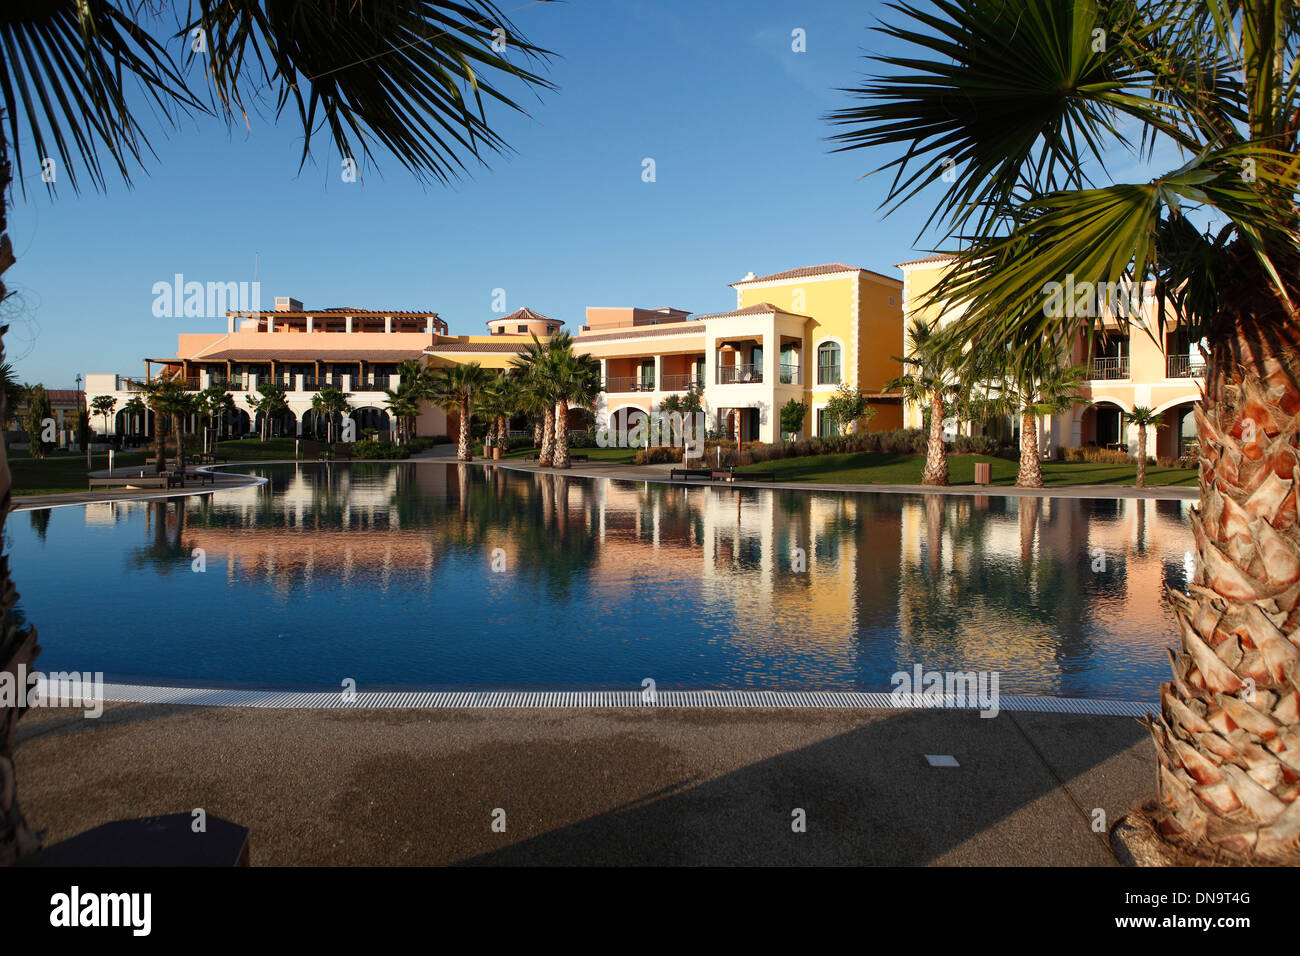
{"x":371,"y":418}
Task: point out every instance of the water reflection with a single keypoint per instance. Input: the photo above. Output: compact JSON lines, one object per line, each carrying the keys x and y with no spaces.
{"x":451,"y":575}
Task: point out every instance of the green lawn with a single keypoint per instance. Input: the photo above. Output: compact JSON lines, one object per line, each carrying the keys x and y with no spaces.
{"x":618,"y":456}
{"x":60,"y":472}
{"x":885,"y":469}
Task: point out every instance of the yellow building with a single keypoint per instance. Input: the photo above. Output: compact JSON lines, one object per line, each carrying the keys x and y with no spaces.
{"x":1127,"y":368}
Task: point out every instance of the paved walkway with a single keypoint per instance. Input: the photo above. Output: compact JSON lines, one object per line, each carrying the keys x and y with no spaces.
{"x":223,"y":482}
{"x":599,"y":786}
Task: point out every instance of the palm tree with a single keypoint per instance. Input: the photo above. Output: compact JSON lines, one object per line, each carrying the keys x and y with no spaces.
{"x":929,"y":379}
{"x":213,"y":403}
{"x":454,"y":388}
{"x":1008,"y":111}
{"x":14,"y":392}
{"x":425,"y":108}
{"x":1028,"y":390}
{"x":330,"y":402}
{"x":271,"y":400}
{"x":169,"y":400}
{"x":404,"y":405}
{"x":1144,"y":418}
{"x":539,"y":393}
{"x":496,"y":402}
{"x":576,"y":380}
{"x":103,"y":406}
{"x":136,"y":411}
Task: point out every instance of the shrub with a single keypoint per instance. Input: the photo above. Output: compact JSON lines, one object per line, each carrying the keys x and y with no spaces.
{"x":582,"y":439}
{"x":659,"y":455}
{"x":1096,"y":456}
{"x":370,"y":449}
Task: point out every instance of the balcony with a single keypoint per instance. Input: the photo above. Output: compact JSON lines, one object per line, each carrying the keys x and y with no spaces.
{"x":790,"y":375}
{"x":1185,"y":366}
{"x":680,"y":383}
{"x":235,"y":383}
{"x":1109,"y":367}
{"x":740,"y":374}
{"x":629,"y":383}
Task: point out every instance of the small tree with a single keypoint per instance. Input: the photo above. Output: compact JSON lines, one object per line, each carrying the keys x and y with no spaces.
{"x":1144,"y":418}
{"x":793,"y":414}
{"x":848,"y":406}
{"x":38,"y":411}
{"x":83,"y":429}
{"x":103,"y":406}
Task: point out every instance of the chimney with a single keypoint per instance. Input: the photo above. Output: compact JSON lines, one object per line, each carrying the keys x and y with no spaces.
{"x":748,"y":275}
{"x":284,"y":303}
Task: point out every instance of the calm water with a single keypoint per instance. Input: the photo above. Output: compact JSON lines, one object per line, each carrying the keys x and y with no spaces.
{"x":385,"y":574}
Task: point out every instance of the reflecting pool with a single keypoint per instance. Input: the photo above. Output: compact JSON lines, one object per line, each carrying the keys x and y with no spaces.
{"x":438,"y":575}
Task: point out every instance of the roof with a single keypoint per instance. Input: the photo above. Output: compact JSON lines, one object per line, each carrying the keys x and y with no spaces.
{"x":939,"y":257}
{"x":643,"y":331}
{"x":335,"y":310}
{"x":524,"y":315}
{"x":516,"y":346}
{"x":309,"y":355}
{"x":64,"y":396}
{"x":762,"y":308}
{"x":803,"y":272}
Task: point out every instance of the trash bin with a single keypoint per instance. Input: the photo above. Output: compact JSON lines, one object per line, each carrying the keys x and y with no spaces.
{"x":983,"y":472}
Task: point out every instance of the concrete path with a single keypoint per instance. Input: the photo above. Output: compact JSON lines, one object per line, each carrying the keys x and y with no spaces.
{"x":223,"y":482}
{"x":599,"y":786}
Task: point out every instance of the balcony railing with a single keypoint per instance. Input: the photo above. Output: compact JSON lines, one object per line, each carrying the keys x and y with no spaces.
{"x":235,"y":383}
{"x":629,"y":383}
{"x":1185,"y":366}
{"x":790,"y":375}
{"x":1108,"y":368}
{"x":740,"y":374}
{"x":680,"y":383}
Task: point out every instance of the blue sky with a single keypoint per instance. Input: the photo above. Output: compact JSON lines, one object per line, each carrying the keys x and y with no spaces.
{"x":711,"y":91}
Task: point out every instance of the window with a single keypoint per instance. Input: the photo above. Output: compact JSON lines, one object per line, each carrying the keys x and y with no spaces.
{"x":828,"y":364}
{"x":824,"y":429}
{"x":521,"y":328}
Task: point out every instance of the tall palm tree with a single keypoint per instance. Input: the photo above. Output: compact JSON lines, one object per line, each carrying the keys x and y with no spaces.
{"x":539,"y":391}
{"x":403,"y":405}
{"x":330,"y":402}
{"x":1006,"y":103}
{"x":213,"y":403}
{"x":496,"y":402}
{"x":65,"y":81}
{"x":169,"y":401}
{"x":14,"y":392}
{"x":269,"y":401}
{"x":576,"y":379}
{"x":929,"y":379}
{"x":1144,"y":418}
{"x":454,"y":388}
{"x":136,"y":411}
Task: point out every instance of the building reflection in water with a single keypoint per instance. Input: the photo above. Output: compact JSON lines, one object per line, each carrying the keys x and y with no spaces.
{"x":389,"y":568}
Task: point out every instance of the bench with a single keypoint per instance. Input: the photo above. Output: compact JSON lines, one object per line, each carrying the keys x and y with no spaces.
{"x":145,"y":481}
{"x":690,"y":473}
{"x":200,"y":477}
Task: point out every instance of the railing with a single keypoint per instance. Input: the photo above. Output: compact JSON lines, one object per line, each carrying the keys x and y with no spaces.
{"x":189,"y":384}
{"x":790,"y":375}
{"x":629,"y":383}
{"x":1108,"y":368}
{"x":680,"y":383}
{"x":1185,"y":366}
{"x":235,"y":383}
{"x":740,"y":374}
{"x":125,"y":384}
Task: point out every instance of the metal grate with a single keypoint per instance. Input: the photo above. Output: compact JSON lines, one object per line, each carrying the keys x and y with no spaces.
{"x":844,"y":700}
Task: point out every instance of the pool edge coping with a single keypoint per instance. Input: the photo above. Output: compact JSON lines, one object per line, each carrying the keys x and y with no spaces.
{"x":471,"y":698}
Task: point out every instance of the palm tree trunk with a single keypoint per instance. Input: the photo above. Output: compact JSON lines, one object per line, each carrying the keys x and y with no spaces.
{"x":562,"y":435}
{"x":537,"y":433}
{"x":18,"y":647}
{"x":180,"y":448}
{"x":463,"y":448}
{"x":547,"y":454}
{"x":1227,"y":737}
{"x":159,"y":442}
{"x":1031,"y":473}
{"x":1142,"y":456}
{"x":936,"y":453}
{"x":503,"y":434}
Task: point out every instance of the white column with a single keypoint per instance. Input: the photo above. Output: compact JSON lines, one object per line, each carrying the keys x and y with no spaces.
{"x":230,"y":324}
{"x":428,"y":325}
{"x":347,"y":383}
{"x":270,"y":323}
{"x":311,"y":323}
{"x":659,"y":373}
{"x":388,"y":323}
{"x":347,"y":323}
{"x":297,"y":387}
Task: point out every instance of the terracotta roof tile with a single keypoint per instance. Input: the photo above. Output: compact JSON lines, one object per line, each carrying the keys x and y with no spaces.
{"x":309,"y":355}
{"x":826,"y":269}
{"x":515,"y":347}
{"x":643,"y":331}
{"x":762,"y":308}
{"x":940,"y":257}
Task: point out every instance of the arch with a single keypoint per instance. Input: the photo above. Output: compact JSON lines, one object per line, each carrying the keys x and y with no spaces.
{"x":281,"y":425}
{"x":371,"y":418}
{"x":1102,"y":424}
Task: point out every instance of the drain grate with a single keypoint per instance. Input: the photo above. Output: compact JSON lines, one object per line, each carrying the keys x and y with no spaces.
{"x":442,"y":700}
